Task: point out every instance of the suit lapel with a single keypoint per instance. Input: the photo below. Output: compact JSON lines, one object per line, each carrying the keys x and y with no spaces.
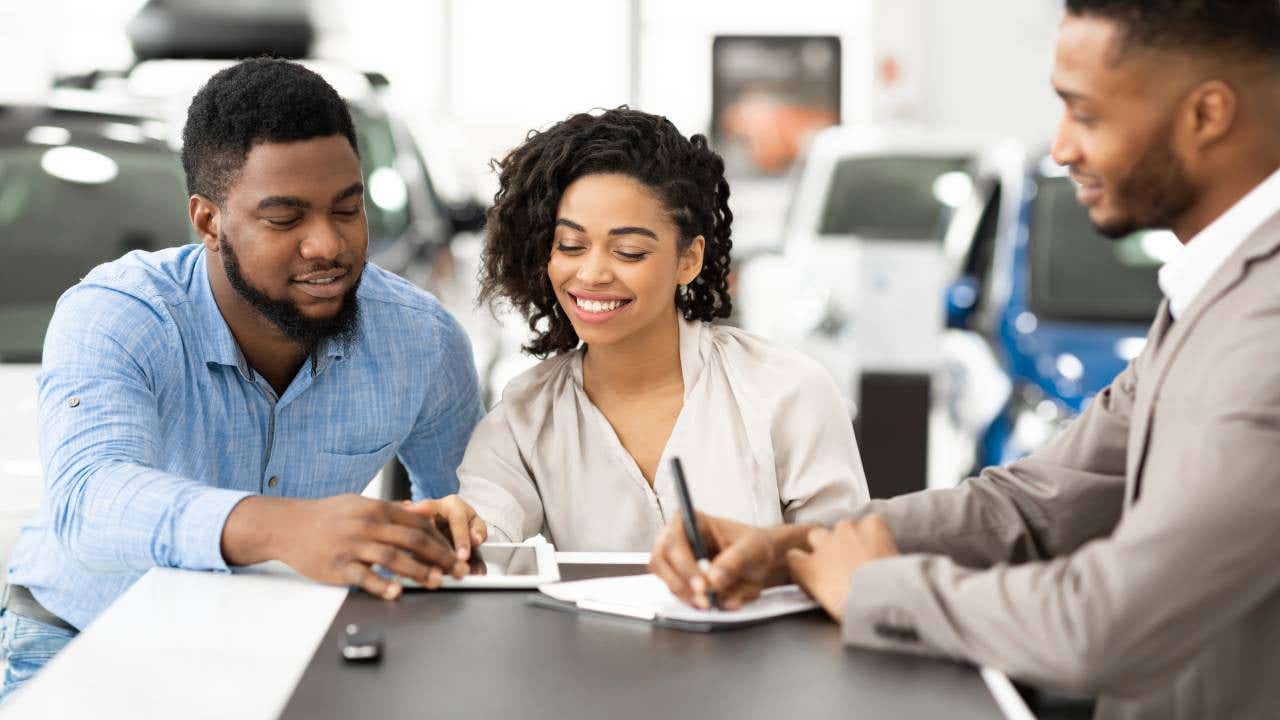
{"x":1170,"y":337}
{"x":1144,"y":399}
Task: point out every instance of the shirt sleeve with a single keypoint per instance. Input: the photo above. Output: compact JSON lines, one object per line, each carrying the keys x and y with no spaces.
{"x":451,"y":409}
{"x":819,"y":469}
{"x":111,"y":506}
{"x":497,"y":483}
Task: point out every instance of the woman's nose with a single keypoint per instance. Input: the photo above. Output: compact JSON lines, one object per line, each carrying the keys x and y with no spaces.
{"x":595,"y":269}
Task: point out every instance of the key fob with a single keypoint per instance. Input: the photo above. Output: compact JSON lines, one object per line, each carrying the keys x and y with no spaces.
{"x":360,"y":645}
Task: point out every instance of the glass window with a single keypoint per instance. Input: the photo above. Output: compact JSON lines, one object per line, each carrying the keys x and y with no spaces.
{"x":1076,"y":274}
{"x":55,"y":230}
{"x":386,"y":192}
{"x":888,"y":198}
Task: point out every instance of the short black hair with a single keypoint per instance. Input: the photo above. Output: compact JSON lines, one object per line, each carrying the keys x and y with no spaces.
{"x":1246,"y":30}
{"x":255,"y":101}
{"x":683,"y":172}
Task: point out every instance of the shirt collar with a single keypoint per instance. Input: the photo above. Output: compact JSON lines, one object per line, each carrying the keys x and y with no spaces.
{"x":691,"y":360}
{"x":1182,"y":278}
{"x":220,"y":345}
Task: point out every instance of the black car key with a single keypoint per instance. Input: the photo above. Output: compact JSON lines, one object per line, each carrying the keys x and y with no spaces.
{"x":359,"y":645}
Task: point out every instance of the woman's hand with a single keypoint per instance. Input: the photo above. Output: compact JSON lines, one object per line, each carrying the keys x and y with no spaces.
{"x":743,"y":559}
{"x":457,"y":520}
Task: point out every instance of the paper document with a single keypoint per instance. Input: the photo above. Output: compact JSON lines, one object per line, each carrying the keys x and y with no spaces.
{"x":646,"y":597}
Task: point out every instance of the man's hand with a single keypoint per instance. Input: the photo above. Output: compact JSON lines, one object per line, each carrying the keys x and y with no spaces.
{"x":339,"y":539}
{"x":459,"y":522}
{"x":824,"y":572}
{"x":745,"y":560}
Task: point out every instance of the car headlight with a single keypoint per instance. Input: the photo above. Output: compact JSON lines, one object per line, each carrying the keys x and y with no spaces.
{"x":1037,"y":419}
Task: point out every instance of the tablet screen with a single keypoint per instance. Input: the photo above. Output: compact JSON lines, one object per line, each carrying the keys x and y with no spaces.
{"x":504,"y":561}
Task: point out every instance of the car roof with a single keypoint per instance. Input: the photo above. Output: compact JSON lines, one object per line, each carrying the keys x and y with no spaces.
{"x":869,"y":140}
{"x":1011,"y":159}
{"x":182,"y":78}
{"x":54,"y":124}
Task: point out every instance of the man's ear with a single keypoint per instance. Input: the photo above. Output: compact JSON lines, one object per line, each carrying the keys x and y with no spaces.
{"x":205,"y":218}
{"x":1211,"y":111}
{"x":691,"y":261}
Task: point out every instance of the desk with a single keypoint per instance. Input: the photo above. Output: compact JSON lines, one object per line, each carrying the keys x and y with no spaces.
{"x":256,"y":645}
{"x":490,"y":655}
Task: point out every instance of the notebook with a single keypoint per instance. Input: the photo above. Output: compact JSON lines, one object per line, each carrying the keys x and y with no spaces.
{"x":645,"y":597}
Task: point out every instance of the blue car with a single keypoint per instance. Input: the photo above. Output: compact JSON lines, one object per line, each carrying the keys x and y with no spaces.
{"x":1062,"y":309}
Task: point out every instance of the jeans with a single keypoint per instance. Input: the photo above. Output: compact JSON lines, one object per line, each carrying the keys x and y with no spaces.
{"x":27,"y":645}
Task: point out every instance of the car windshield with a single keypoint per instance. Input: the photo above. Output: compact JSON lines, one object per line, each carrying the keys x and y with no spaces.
{"x":1076,"y":274}
{"x":891,"y":197}
{"x":65,"y":209}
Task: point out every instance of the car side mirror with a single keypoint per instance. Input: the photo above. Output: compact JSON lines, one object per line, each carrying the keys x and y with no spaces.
{"x":467,"y":216}
{"x":961,"y":300}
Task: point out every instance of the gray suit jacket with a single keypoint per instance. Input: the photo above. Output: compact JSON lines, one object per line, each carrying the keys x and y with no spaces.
{"x":1137,"y":556}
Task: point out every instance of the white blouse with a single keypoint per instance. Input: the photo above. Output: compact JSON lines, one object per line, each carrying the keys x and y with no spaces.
{"x":763,"y":437}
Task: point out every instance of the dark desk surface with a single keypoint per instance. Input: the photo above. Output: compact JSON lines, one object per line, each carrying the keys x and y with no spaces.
{"x":489,"y":655}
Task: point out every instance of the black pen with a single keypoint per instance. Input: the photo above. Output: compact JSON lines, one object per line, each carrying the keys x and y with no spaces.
{"x":691,"y":525}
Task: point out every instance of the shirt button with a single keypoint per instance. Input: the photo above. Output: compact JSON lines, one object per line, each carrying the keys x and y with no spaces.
{"x":73,"y":402}
{"x":273,"y":481}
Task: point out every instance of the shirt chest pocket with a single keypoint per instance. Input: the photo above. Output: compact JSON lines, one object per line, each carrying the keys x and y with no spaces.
{"x":353,"y":471}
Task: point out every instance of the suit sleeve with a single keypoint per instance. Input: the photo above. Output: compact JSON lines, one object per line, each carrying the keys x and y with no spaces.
{"x":1044,"y":505}
{"x":1122,"y":613}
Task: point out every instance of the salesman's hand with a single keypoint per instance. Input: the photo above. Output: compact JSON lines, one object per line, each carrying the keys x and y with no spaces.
{"x":339,"y":540}
{"x":825,"y":571}
{"x":456,"y":519}
{"x":742,"y":559}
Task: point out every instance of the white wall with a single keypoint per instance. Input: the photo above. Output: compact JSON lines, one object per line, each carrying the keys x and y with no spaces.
{"x":989,"y":63}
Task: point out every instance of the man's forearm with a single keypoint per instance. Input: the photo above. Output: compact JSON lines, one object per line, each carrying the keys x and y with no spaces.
{"x":256,"y":529}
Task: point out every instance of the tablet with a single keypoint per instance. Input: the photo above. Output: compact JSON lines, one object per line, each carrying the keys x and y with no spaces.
{"x":509,"y":566}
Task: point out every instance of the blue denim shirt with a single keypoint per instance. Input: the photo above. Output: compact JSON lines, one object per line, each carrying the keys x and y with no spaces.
{"x":153,"y":425}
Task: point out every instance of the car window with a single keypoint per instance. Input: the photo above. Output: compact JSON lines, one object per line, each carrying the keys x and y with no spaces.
{"x":1076,"y":274}
{"x":888,"y":197}
{"x":386,"y":193}
{"x":55,"y":230}
{"x":982,"y":252}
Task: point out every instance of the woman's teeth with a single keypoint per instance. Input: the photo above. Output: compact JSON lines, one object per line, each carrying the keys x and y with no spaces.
{"x":599,"y":306}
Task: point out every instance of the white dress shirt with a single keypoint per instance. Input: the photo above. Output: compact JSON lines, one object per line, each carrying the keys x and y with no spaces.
{"x":763,"y":436}
{"x":1182,"y":278}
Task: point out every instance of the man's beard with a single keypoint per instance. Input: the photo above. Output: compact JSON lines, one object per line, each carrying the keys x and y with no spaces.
{"x":286,"y":315}
{"x":1155,"y":193}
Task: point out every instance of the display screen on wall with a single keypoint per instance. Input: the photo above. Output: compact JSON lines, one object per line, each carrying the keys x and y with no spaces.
{"x":769,"y":93}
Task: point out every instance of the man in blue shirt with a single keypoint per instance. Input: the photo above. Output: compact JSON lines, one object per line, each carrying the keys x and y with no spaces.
{"x":218,"y":404}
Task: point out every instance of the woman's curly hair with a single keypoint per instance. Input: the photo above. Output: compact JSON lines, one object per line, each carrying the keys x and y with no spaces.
{"x":684,"y":173}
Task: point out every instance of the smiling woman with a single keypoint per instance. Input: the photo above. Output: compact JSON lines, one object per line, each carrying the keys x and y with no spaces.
{"x":610,"y":233}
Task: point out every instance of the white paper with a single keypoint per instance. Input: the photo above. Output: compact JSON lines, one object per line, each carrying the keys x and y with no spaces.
{"x":647,"y":596}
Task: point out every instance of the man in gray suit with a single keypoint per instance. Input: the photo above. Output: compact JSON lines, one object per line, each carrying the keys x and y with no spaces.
{"x":1137,"y":556}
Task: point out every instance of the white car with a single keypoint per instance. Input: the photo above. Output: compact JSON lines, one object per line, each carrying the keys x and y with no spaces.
{"x":860,"y":279}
